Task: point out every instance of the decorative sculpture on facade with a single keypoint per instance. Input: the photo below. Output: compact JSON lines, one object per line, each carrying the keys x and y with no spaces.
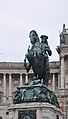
{"x":62,"y":38}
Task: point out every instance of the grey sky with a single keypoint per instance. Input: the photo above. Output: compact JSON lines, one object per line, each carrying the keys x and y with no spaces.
{"x":19,"y":17}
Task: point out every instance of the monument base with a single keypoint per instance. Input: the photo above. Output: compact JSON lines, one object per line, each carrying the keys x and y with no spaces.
{"x":35,"y":91}
{"x":34,"y":110}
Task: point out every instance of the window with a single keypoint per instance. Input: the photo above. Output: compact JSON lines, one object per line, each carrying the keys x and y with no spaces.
{"x":1,"y":118}
{"x":57,"y":116}
{"x":16,"y":82}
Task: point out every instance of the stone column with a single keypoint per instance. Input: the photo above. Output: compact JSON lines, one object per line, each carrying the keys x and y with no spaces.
{"x":4,"y":85}
{"x":26,"y":78}
{"x":38,"y":114}
{"x":58,"y":81}
{"x":21,"y":82}
{"x":10,"y":89}
{"x":62,"y":72}
{"x":53,"y":81}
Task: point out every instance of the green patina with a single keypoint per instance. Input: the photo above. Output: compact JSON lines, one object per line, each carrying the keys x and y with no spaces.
{"x":36,"y":90}
{"x":37,"y":57}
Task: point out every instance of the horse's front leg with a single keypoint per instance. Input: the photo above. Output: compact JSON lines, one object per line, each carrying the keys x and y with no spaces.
{"x":25,"y":64}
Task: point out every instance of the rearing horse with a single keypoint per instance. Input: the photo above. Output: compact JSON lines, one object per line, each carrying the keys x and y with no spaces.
{"x":38,"y":58}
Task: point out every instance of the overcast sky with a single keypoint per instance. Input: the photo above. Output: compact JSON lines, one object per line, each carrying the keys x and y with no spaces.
{"x":19,"y":17}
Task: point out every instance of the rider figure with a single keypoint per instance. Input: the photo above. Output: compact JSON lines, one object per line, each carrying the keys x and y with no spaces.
{"x":37,"y":56}
{"x":46,"y":51}
{"x":44,"y":45}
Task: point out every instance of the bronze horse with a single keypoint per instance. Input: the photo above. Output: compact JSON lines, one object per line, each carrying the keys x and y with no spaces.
{"x":37,"y":57}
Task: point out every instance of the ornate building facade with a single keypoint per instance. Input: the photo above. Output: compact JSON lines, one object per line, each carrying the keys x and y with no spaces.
{"x":13,"y":74}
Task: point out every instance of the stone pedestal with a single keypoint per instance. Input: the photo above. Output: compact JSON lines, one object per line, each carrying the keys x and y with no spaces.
{"x":39,"y":110}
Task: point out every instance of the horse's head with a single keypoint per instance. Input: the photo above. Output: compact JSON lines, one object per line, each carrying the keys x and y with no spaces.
{"x":33,"y":37}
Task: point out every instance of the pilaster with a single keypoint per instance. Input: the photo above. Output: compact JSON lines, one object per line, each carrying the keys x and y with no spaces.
{"x":62,"y":72}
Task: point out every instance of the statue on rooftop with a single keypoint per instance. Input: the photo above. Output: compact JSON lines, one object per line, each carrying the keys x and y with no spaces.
{"x":62,"y":38}
{"x":37,"y":56}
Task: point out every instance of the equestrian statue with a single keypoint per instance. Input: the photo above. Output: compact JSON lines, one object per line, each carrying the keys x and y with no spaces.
{"x":37,"y":57}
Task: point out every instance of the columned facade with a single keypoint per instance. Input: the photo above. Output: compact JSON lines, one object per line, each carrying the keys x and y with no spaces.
{"x":9,"y":84}
{"x":11,"y":78}
{"x":13,"y":75}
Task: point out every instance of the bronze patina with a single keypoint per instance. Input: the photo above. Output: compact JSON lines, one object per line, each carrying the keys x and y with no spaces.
{"x":37,"y":57}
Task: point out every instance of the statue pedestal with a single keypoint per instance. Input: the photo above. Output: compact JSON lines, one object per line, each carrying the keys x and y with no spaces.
{"x":34,"y":110}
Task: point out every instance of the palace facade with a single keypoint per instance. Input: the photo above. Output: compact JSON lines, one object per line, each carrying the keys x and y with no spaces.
{"x":13,"y":74}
